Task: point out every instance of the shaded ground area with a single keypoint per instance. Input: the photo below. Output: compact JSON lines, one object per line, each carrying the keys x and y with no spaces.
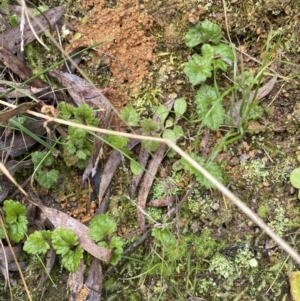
{"x":215,"y":244}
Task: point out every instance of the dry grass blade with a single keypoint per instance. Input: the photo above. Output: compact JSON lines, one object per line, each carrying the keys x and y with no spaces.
{"x":11,"y":178}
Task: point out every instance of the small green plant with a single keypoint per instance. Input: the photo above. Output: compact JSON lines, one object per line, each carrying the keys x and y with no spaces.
{"x":211,"y":167}
{"x":222,"y":266}
{"x":15,"y":221}
{"x":101,"y":229}
{"x":215,"y":56}
{"x":164,"y":188}
{"x":63,"y":241}
{"x":42,"y":162}
{"x":167,"y":128}
{"x":204,"y":72}
{"x":295,"y":179}
{"x":78,"y":146}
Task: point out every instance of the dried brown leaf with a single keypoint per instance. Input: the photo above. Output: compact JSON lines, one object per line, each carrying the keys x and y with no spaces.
{"x":253,"y":96}
{"x":11,"y":38}
{"x":163,"y":202}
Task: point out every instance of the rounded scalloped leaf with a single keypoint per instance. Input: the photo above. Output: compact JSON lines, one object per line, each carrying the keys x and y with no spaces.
{"x":295,"y":177}
{"x":295,"y":285}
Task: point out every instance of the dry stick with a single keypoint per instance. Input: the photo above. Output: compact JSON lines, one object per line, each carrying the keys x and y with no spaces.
{"x":184,"y":199}
{"x":244,"y":208}
{"x":6,"y":265}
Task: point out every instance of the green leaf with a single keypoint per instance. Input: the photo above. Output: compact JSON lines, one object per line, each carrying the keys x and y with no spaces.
{"x":40,"y":159}
{"x":180,"y":106}
{"x":203,"y":32}
{"x":118,"y":142}
{"x":13,"y":211}
{"x":164,"y":236}
{"x":255,"y":112}
{"x":169,"y":134}
{"x":72,"y":258}
{"x":116,"y":244}
{"x":15,"y":220}
{"x":177,"y":165}
{"x":227,"y":56}
{"x":47,"y":178}
{"x":13,"y":20}
{"x":162,"y":112}
{"x":135,"y":167}
{"x":209,"y":107}
{"x":63,"y":240}
{"x":37,"y":242}
{"x":101,"y":226}
{"x":245,"y":80}
{"x":148,"y":126}
{"x":178,"y":131}
{"x":130,"y":116}
{"x":199,"y":68}
{"x":295,"y":178}
{"x":66,"y":110}
{"x":152,"y":146}
{"x":193,"y":36}
{"x":210,"y":167}
{"x":80,"y":154}
{"x":253,"y":263}
{"x":169,"y":122}
{"x":17,"y":231}
{"x":84,"y":114}
{"x":210,"y":32}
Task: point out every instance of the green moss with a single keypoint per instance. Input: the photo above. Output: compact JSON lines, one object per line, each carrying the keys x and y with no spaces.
{"x":263,"y":210}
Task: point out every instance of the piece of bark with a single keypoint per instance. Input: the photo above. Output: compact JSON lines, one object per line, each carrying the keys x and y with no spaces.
{"x":6,"y":254}
{"x":20,"y":109}
{"x":11,"y":38}
{"x":253,"y":96}
{"x":83,"y":92}
{"x":110,"y":168}
{"x":18,"y":144}
{"x":144,"y":154}
{"x":94,"y":281}
{"x":163,"y":202}
{"x":147,"y":184}
{"x":75,"y":282}
{"x":18,"y":67}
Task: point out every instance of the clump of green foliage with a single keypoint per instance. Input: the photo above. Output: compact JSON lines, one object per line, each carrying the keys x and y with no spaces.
{"x":215,"y":56}
{"x":42,"y":162}
{"x":167,"y":128}
{"x":211,"y":59}
{"x":101,"y":230}
{"x":62,"y":240}
{"x":78,"y":146}
{"x":15,"y":221}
